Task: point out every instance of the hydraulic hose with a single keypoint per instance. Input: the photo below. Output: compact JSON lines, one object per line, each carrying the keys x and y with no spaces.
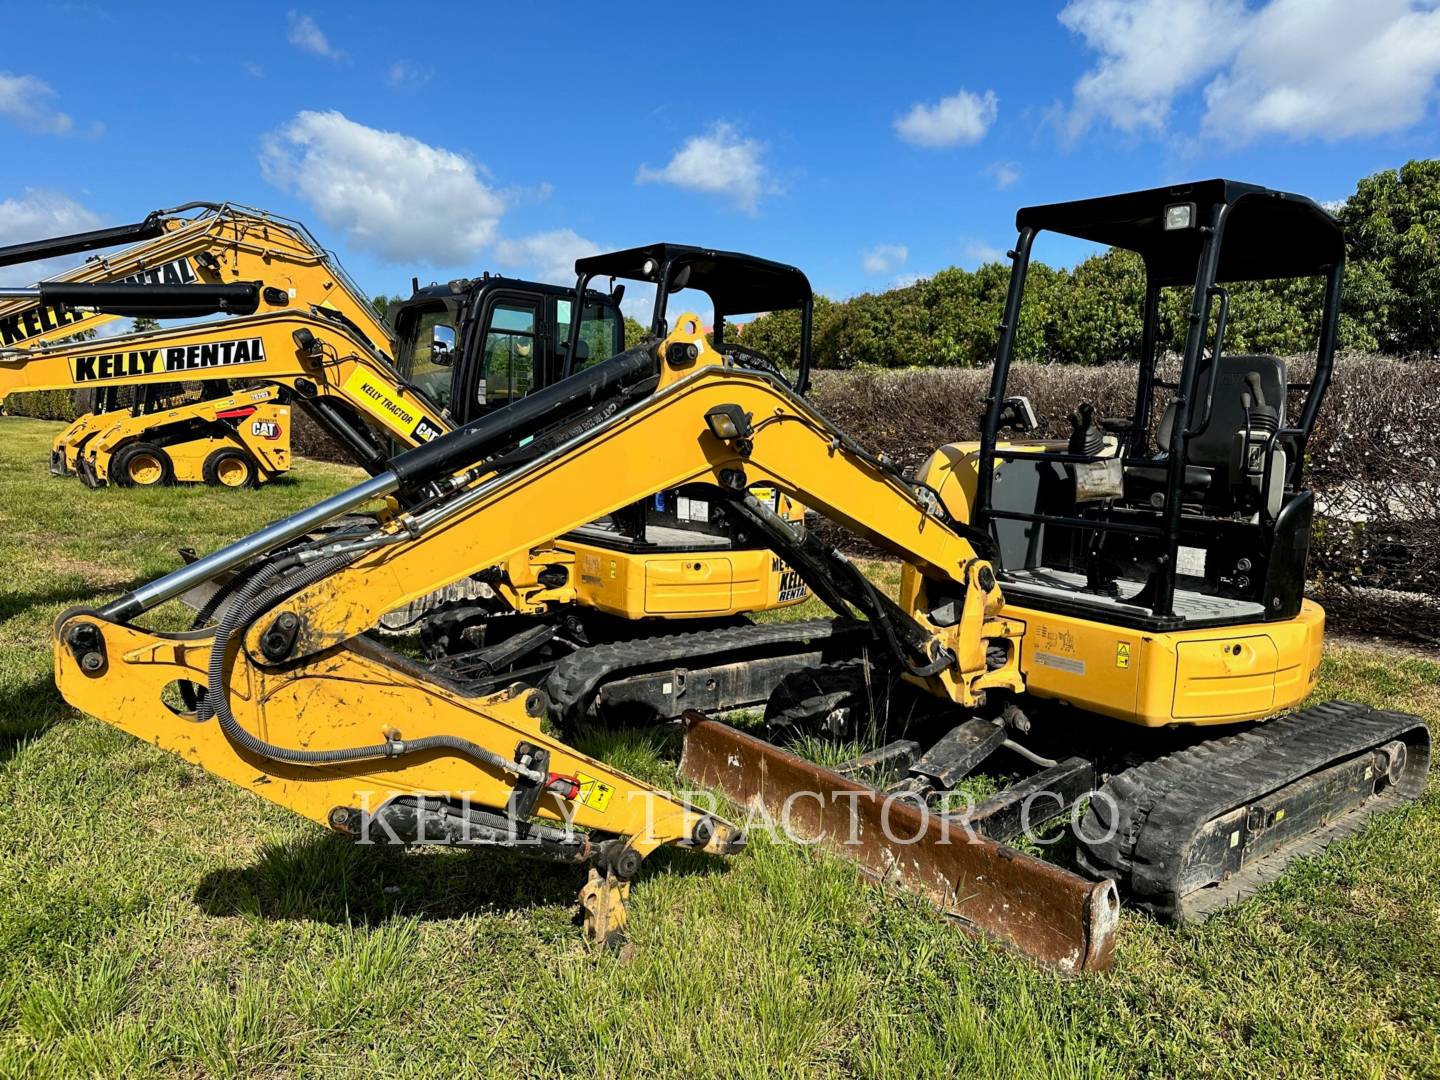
{"x":249,"y":601}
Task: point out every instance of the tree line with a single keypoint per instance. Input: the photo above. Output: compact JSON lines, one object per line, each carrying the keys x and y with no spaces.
{"x":1091,"y":314}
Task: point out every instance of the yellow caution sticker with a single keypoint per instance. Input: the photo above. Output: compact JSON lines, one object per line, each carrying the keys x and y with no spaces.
{"x":1122,"y":654}
{"x":594,"y":793}
{"x":379,"y":400}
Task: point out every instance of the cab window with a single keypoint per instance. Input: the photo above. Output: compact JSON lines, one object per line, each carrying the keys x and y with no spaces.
{"x":427,"y":352}
{"x":600,"y":331}
{"x":509,"y":353}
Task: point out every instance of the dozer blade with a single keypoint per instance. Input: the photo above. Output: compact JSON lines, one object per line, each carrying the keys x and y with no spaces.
{"x":1042,"y":910}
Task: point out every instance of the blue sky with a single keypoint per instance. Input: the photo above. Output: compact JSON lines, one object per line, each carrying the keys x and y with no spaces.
{"x":865,"y":144}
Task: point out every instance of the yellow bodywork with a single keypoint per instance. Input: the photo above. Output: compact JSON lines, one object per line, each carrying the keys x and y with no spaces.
{"x":357,"y":694}
{"x":1201,"y":676}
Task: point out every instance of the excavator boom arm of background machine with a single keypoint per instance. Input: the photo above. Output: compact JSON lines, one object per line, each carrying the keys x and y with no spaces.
{"x":217,"y":244}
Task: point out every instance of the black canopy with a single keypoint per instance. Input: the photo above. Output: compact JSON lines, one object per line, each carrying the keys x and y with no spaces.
{"x":737,"y":284}
{"x":1268,"y":234}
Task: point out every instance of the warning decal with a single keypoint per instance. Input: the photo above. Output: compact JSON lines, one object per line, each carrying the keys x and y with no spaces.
{"x":594,"y":793}
{"x":1122,"y":654}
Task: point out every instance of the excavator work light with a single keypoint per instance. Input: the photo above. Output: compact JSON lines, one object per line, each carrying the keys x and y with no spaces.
{"x":729,"y":422}
{"x":306,"y":341}
{"x":1179,"y":216}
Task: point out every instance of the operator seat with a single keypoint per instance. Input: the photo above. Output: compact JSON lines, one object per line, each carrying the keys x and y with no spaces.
{"x":1214,"y":472}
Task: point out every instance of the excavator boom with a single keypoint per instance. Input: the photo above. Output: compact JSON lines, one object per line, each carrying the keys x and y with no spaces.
{"x":331,"y":369}
{"x":198,"y":244}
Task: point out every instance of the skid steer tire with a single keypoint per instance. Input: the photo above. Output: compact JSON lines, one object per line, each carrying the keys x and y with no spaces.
{"x":230,"y":468}
{"x":141,"y":464}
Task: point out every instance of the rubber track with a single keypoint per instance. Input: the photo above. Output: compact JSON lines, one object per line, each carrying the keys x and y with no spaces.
{"x":577,"y":678}
{"x":1162,"y":804}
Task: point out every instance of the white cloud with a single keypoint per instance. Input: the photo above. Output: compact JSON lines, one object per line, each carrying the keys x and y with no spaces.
{"x":307,"y":36}
{"x":547,"y":256}
{"x":390,"y":194}
{"x":883,"y":258}
{"x":1289,"y":68}
{"x":1004,"y":173}
{"x":959,"y":120}
{"x":35,"y":215}
{"x":979,"y":252}
{"x":1150,"y":51}
{"x":408,"y":74}
{"x":720,"y":162}
{"x":1329,"y":69}
{"x":26,"y":101}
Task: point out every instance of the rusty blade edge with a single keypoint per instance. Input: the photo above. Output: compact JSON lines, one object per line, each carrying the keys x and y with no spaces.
{"x":1042,"y":910}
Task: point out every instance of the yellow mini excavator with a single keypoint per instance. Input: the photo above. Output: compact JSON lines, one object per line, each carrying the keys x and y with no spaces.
{"x":1118,"y":618}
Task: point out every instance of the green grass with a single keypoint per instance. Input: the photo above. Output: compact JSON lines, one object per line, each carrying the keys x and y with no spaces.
{"x":155,"y":920}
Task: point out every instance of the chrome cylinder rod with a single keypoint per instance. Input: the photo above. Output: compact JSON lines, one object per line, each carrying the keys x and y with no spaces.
{"x":173,"y":584}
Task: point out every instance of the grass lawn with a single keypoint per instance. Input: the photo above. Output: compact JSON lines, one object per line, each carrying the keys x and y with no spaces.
{"x":153,"y":919}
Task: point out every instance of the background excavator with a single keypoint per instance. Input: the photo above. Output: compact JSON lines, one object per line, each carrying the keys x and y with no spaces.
{"x":299,"y":328}
{"x":1135,"y":665}
{"x":182,"y":430}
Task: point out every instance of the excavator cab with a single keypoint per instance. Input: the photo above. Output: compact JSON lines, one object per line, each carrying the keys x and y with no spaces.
{"x":1187,"y":517}
{"x":476,"y":345}
{"x":735,"y":283}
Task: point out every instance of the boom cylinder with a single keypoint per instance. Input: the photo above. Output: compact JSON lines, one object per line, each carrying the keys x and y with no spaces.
{"x":442,"y":457}
{"x":452,"y":452}
{"x":152,"y":301}
{"x":173,"y":584}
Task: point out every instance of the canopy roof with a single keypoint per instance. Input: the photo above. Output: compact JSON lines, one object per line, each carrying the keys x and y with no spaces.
{"x":737,"y":284}
{"x":1268,"y":234}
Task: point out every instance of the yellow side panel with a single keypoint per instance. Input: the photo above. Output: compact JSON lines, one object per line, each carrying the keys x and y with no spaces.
{"x":1228,"y":676}
{"x":695,"y":584}
{"x":1186,"y":677}
{"x":635,"y":586}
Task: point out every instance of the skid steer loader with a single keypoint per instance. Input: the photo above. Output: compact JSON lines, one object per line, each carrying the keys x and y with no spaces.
{"x":1163,"y":679}
{"x":168,"y":435}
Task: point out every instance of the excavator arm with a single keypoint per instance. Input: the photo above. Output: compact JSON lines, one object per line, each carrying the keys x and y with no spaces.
{"x":332,"y":370}
{"x":209,"y":244}
{"x":296,"y":703}
{"x":300,"y":322}
{"x":665,"y":441}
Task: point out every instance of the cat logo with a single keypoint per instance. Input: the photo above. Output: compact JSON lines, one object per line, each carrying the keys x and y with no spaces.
{"x":265,"y":429}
